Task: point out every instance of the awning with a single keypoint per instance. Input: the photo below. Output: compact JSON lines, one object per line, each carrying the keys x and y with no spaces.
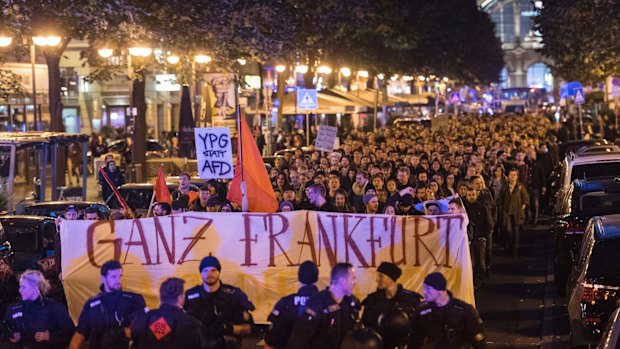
{"x":327,"y":105}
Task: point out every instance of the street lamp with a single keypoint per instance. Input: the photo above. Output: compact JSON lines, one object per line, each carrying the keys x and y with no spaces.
{"x":173,"y":59}
{"x":5,"y":41}
{"x":50,"y":40}
{"x":105,"y":52}
{"x":346,"y":72}
{"x":363,"y":74}
{"x":202,"y":59}
{"x":324,"y":70}
{"x":140,"y":51}
{"x":280,"y":68}
{"x":302,"y":69}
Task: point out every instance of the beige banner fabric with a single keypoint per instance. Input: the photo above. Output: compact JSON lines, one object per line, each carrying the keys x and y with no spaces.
{"x":260,"y":252}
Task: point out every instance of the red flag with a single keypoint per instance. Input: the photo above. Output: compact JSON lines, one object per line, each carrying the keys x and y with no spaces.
{"x":116,"y":193}
{"x":259,"y":191}
{"x":162,"y":194}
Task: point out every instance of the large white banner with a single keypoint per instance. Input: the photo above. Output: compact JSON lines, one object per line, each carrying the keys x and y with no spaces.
{"x":260,"y":252}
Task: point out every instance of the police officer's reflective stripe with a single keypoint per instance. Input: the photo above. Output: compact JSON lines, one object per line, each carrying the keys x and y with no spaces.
{"x":193,"y":296}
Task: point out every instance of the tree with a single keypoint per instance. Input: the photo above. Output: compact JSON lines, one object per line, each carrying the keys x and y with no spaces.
{"x":581,"y":37}
{"x":67,"y":19}
{"x":225,"y":30}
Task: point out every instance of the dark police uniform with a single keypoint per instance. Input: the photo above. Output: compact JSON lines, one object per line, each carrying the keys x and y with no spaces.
{"x":377,"y":304}
{"x":325,"y":322}
{"x":219,"y":311}
{"x":166,"y":328}
{"x":40,"y":315}
{"x":104,"y":318}
{"x":285,"y":314}
{"x":455,"y":325}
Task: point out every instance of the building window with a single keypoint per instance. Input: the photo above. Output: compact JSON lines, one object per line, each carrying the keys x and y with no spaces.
{"x":504,"y":78}
{"x":539,"y":76}
{"x":69,"y":83}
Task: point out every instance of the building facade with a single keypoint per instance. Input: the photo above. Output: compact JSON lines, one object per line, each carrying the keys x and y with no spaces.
{"x":514,"y":25}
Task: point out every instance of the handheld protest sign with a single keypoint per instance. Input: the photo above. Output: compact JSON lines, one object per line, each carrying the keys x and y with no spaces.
{"x":214,"y":153}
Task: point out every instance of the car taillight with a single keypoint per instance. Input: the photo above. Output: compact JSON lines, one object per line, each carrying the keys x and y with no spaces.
{"x":591,"y":293}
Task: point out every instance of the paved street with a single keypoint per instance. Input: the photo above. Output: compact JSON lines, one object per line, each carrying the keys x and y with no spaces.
{"x":517,"y":303}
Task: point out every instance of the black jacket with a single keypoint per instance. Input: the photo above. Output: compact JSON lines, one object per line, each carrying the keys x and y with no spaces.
{"x":377,"y":304}
{"x":285,"y":313}
{"x":325,"y":322}
{"x":104,"y":318}
{"x":42,"y":314}
{"x":166,"y":328}
{"x":452,"y":326}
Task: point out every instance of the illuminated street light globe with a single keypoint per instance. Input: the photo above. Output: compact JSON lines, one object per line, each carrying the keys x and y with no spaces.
{"x":241,"y":61}
{"x":301,"y":69}
{"x":324,"y":70}
{"x":49,"y":40}
{"x":140,"y":51}
{"x":363,"y":74}
{"x":280,"y":68}
{"x":173,"y":59}
{"x":202,"y":59}
{"x":346,"y":72}
{"x":105,"y":52}
{"x":5,"y":41}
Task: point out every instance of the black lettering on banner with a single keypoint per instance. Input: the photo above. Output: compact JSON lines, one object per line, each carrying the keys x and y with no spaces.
{"x":215,"y":152}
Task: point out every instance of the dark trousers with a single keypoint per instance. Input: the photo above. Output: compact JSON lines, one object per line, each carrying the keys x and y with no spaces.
{"x":534,"y":204}
{"x":512,"y":234}
{"x":478,"y":252}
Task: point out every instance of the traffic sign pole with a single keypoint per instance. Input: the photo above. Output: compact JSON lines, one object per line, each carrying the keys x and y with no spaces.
{"x":307,"y":129}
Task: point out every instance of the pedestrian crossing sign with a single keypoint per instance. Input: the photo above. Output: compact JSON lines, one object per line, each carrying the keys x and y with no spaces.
{"x":579,"y":98}
{"x":307,"y":99}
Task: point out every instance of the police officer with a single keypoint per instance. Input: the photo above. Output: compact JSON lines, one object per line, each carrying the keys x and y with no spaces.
{"x":390,"y":309}
{"x":223,"y":309}
{"x":330,"y":314}
{"x":37,"y":322}
{"x":290,"y":308}
{"x":167,"y":327}
{"x":105,"y":318}
{"x":443,"y":321}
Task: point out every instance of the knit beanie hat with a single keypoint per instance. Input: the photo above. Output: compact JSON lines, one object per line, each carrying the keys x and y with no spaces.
{"x":210,"y":261}
{"x":390,"y":270}
{"x":308,"y":273}
{"x":436,"y":280}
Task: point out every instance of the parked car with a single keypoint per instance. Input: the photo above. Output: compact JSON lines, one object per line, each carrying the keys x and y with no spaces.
{"x":586,"y":167}
{"x":582,"y":201}
{"x":566,"y":148}
{"x":594,"y":282}
{"x":598,"y":149}
{"x":153,"y":148}
{"x":57,"y":208}
{"x":32,"y":240}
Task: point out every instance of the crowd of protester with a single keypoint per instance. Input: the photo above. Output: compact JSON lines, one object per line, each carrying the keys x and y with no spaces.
{"x":494,"y":168}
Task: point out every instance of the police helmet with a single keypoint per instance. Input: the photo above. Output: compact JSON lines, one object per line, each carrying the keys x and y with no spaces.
{"x":364,"y":338}
{"x":393,"y":323}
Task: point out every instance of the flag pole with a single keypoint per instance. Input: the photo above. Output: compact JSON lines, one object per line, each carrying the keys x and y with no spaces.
{"x":148,"y":214}
{"x":244,"y":197}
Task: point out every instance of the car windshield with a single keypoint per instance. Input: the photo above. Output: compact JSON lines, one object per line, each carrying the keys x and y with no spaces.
{"x":599,"y":203}
{"x":46,"y":211}
{"x":23,"y":237}
{"x":154,"y":146}
{"x":589,"y":171}
{"x":604,"y":260}
{"x":138,"y":198}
